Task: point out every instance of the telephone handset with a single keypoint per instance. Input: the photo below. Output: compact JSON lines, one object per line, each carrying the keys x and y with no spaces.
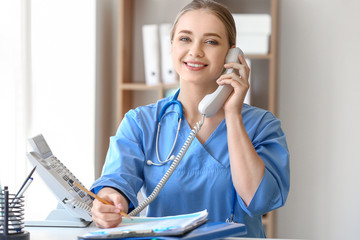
{"x":74,"y":205}
{"x":211,"y":103}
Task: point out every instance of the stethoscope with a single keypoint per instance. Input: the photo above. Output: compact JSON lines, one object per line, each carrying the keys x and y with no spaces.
{"x":171,"y":157}
{"x":163,"y":113}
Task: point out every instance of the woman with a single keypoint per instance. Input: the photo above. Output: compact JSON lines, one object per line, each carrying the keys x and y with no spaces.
{"x":239,"y":161}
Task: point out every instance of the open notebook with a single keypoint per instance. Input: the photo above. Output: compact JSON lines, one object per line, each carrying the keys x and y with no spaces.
{"x":151,"y":226}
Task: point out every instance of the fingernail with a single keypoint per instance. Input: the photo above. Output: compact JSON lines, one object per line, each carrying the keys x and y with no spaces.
{"x":117,"y":210}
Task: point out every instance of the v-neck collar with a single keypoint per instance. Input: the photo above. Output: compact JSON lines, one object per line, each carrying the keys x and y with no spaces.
{"x":188,"y":128}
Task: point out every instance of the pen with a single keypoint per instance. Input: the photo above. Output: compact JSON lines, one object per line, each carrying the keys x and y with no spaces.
{"x":23,"y":188}
{"x":99,"y":198}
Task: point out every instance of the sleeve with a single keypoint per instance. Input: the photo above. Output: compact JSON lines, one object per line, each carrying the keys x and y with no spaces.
{"x":123,"y":168}
{"x":270,"y":143}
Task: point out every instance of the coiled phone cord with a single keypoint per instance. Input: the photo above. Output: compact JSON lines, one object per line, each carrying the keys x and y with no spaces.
{"x":171,"y":169}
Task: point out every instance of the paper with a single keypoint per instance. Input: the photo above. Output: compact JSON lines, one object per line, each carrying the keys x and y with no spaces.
{"x":147,"y":226}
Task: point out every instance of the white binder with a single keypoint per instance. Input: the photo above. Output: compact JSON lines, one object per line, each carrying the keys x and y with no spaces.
{"x":151,"y":53}
{"x":168,"y":75}
{"x":253,"y":32}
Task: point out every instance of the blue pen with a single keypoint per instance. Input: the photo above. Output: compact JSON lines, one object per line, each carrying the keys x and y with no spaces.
{"x":23,"y":188}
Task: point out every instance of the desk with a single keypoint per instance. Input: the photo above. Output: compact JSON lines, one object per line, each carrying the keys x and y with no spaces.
{"x":57,"y":233}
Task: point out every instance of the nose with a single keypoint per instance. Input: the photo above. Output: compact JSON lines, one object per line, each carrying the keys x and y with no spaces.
{"x":196,"y":50}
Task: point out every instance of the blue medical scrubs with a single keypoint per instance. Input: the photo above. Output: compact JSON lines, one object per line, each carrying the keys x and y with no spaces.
{"x":203,"y":178}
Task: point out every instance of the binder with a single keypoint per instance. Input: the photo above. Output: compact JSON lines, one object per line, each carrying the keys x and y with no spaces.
{"x":253,"y":33}
{"x":209,"y":230}
{"x":215,"y":230}
{"x":168,"y":75}
{"x":151,"y":53}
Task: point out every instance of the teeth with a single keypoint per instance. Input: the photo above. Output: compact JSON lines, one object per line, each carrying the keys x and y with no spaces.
{"x":195,"y":65}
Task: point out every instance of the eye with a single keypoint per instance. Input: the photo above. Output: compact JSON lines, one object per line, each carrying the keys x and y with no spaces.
{"x":184,"y":39}
{"x":212,"y":42}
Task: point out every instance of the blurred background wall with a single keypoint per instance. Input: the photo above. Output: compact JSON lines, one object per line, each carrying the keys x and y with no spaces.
{"x":318,"y":103}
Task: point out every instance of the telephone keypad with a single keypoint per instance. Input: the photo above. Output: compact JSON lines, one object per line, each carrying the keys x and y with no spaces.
{"x":81,"y":194}
{"x":65,"y":177}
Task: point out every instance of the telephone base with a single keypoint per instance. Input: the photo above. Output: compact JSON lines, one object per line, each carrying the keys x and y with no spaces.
{"x":59,"y":218}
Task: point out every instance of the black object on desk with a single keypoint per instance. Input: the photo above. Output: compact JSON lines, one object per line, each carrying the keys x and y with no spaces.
{"x":12,"y":218}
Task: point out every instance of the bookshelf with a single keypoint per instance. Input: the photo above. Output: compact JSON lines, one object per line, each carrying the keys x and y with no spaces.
{"x":131,"y":88}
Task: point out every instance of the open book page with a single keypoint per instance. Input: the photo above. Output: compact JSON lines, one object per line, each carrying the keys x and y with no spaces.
{"x":153,"y":226}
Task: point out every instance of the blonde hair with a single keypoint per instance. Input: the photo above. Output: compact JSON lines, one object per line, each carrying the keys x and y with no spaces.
{"x":219,"y":10}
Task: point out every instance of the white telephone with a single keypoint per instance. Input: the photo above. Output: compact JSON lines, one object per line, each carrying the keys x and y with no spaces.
{"x":211,"y":103}
{"x":74,"y":205}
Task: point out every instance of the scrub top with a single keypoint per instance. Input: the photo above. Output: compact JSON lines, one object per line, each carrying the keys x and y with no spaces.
{"x":202,"y":180}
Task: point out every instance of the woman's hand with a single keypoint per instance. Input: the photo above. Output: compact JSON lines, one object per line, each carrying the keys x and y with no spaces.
{"x":107,"y":216}
{"x":240,"y":83}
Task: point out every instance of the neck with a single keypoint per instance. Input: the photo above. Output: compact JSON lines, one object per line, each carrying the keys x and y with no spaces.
{"x":190,"y":97}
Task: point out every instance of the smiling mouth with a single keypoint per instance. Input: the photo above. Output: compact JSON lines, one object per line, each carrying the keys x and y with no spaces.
{"x":195,"y":65}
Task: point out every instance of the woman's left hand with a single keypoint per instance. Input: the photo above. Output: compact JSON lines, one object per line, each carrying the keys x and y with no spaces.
{"x":240,"y":83}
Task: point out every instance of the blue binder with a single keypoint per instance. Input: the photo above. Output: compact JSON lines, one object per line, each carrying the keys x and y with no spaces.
{"x":209,"y":230}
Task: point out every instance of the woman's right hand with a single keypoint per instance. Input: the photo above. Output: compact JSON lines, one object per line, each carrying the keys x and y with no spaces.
{"x":107,"y":216}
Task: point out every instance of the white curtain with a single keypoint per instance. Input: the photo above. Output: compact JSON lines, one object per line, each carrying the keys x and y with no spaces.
{"x":47,"y":86}
{"x":14,"y":90}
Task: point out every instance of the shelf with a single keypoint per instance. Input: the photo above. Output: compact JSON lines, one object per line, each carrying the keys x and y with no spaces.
{"x":145,"y":87}
{"x":258,"y":56}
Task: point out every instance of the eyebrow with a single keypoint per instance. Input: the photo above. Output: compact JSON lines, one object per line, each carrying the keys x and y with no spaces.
{"x":206,"y":34}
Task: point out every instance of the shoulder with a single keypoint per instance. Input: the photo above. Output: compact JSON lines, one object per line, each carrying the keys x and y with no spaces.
{"x":148,"y":112}
{"x":259,"y":121}
{"x":255,"y":113}
{"x":142,"y":119}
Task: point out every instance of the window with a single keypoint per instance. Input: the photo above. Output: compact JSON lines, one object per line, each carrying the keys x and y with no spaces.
{"x":47,"y":86}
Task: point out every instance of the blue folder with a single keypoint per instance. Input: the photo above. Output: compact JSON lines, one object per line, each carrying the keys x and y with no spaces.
{"x":209,"y":230}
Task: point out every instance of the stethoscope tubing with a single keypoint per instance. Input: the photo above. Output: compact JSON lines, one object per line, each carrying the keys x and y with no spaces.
{"x":161,"y":116}
{"x":169,"y":157}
